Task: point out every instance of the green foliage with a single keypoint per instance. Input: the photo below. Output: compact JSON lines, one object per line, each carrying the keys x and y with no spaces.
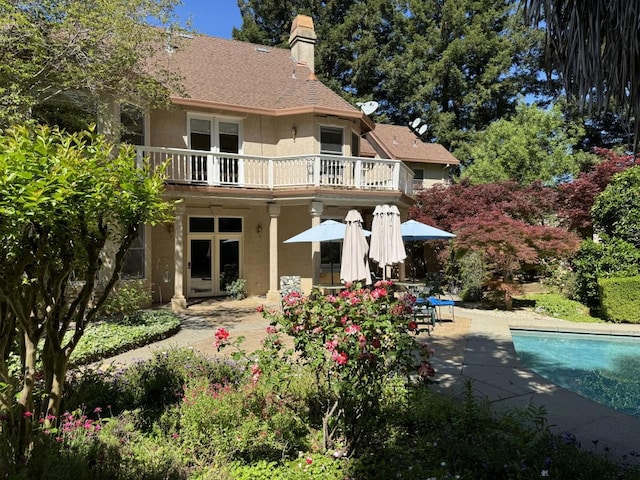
{"x":473,"y":275}
{"x":84,"y":447}
{"x":126,"y":298}
{"x":558,"y":306}
{"x":418,"y":434}
{"x":616,"y":211}
{"x":534,"y":145}
{"x":221,"y":423}
{"x":50,"y":51}
{"x":107,"y":338}
{"x":608,"y":258}
{"x":237,"y":289}
{"x":150,"y":385}
{"x":307,"y":467}
{"x":620,"y":299}
{"x":70,"y":207}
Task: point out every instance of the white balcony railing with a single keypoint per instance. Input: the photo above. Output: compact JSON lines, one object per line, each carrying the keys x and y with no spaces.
{"x":195,"y":167}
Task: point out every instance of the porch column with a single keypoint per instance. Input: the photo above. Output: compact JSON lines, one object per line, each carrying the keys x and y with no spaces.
{"x":316,"y":210}
{"x":178,"y":301}
{"x":273,"y":295}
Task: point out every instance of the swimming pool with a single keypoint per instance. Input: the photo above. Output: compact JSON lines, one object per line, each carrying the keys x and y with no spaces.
{"x":604,"y":368}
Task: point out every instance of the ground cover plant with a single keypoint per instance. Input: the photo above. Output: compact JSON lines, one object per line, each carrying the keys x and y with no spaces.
{"x":181,"y":415}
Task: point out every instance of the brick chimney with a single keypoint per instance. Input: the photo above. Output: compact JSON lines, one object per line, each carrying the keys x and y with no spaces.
{"x":302,"y":41}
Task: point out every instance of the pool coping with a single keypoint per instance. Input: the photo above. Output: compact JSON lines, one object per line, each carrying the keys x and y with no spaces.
{"x":497,"y":375}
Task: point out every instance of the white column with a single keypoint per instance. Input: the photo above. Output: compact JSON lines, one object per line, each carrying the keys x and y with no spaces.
{"x":178,"y":301}
{"x":273,"y":295}
{"x":316,"y":210}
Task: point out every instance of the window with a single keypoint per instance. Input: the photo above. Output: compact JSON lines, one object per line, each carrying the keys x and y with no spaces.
{"x":133,"y":265}
{"x":418,"y":174}
{"x":331,"y":140}
{"x":230,"y":225}
{"x":132,"y":120}
{"x":355,"y":145}
{"x":201,"y":225}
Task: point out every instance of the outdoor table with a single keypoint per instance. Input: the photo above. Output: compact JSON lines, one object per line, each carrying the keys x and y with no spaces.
{"x":330,"y":289}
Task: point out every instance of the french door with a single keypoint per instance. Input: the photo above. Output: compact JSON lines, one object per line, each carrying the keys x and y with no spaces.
{"x":214,"y":260}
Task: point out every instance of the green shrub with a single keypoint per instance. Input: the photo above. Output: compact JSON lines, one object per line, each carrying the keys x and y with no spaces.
{"x":126,"y":298}
{"x":473,"y":275}
{"x":153,"y":384}
{"x":608,"y":258}
{"x":219,"y":422}
{"x":558,"y":306}
{"x":620,"y":299}
{"x":86,"y":448}
{"x":353,"y":343}
{"x":237,"y":289}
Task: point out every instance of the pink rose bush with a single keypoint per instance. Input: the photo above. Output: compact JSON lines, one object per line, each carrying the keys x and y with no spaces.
{"x":353,"y":342}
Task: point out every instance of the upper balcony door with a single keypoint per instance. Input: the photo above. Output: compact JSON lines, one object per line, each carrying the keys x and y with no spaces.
{"x":218,"y":136}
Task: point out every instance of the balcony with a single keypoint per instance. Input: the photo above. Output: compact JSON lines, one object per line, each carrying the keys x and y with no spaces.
{"x":195,"y":167}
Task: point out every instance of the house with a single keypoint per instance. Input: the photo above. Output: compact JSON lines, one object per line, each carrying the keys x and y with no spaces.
{"x":430,"y":162}
{"x":259,"y":151}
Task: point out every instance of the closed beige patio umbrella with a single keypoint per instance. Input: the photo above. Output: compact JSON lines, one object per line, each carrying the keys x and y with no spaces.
{"x":387,"y":247}
{"x":354,"y":265}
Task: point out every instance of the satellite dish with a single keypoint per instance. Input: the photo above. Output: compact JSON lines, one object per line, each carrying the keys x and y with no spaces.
{"x":415,"y":123}
{"x":422,"y":129}
{"x":368,"y":107}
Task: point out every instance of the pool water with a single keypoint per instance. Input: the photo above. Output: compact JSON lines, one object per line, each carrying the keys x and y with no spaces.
{"x":604,"y":368}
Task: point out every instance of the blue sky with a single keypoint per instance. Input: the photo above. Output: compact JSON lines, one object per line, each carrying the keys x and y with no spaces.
{"x":213,"y":17}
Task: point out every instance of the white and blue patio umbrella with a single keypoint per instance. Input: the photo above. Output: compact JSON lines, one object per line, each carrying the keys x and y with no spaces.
{"x":327,"y":231}
{"x":412,"y":230}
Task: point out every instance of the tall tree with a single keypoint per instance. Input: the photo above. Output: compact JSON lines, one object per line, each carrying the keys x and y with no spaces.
{"x":103,"y":51}
{"x":595,"y":48}
{"x":510,"y":225}
{"x":67,"y":204}
{"x":534,"y":144}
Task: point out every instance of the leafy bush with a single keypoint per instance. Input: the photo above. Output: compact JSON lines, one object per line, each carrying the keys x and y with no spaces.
{"x":153,"y":384}
{"x":558,"y":306}
{"x":219,"y":422}
{"x":473,"y":275}
{"x":237,"y":289}
{"x":608,"y":258}
{"x":127,"y":298}
{"x":84,"y":448}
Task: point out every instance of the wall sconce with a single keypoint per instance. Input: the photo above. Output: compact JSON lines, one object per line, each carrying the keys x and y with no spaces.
{"x":259,"y":229}
{"x":294,"y":132}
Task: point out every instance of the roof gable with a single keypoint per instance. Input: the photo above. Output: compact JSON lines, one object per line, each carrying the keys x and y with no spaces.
{"x":400,"y":143}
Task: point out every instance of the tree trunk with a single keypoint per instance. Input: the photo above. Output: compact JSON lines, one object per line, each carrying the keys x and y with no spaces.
{"x":25,"y":398}
{"x":59,"y":370}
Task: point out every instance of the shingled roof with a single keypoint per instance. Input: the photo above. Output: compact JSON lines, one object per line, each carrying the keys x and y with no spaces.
{"x":221,"y":73}
{"x":400,"y":143}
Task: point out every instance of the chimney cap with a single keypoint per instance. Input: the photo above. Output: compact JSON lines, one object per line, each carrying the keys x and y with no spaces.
{"x":302,"y":21}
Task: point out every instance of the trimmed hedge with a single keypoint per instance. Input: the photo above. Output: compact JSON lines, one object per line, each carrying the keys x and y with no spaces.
{"x":620,"y":299}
